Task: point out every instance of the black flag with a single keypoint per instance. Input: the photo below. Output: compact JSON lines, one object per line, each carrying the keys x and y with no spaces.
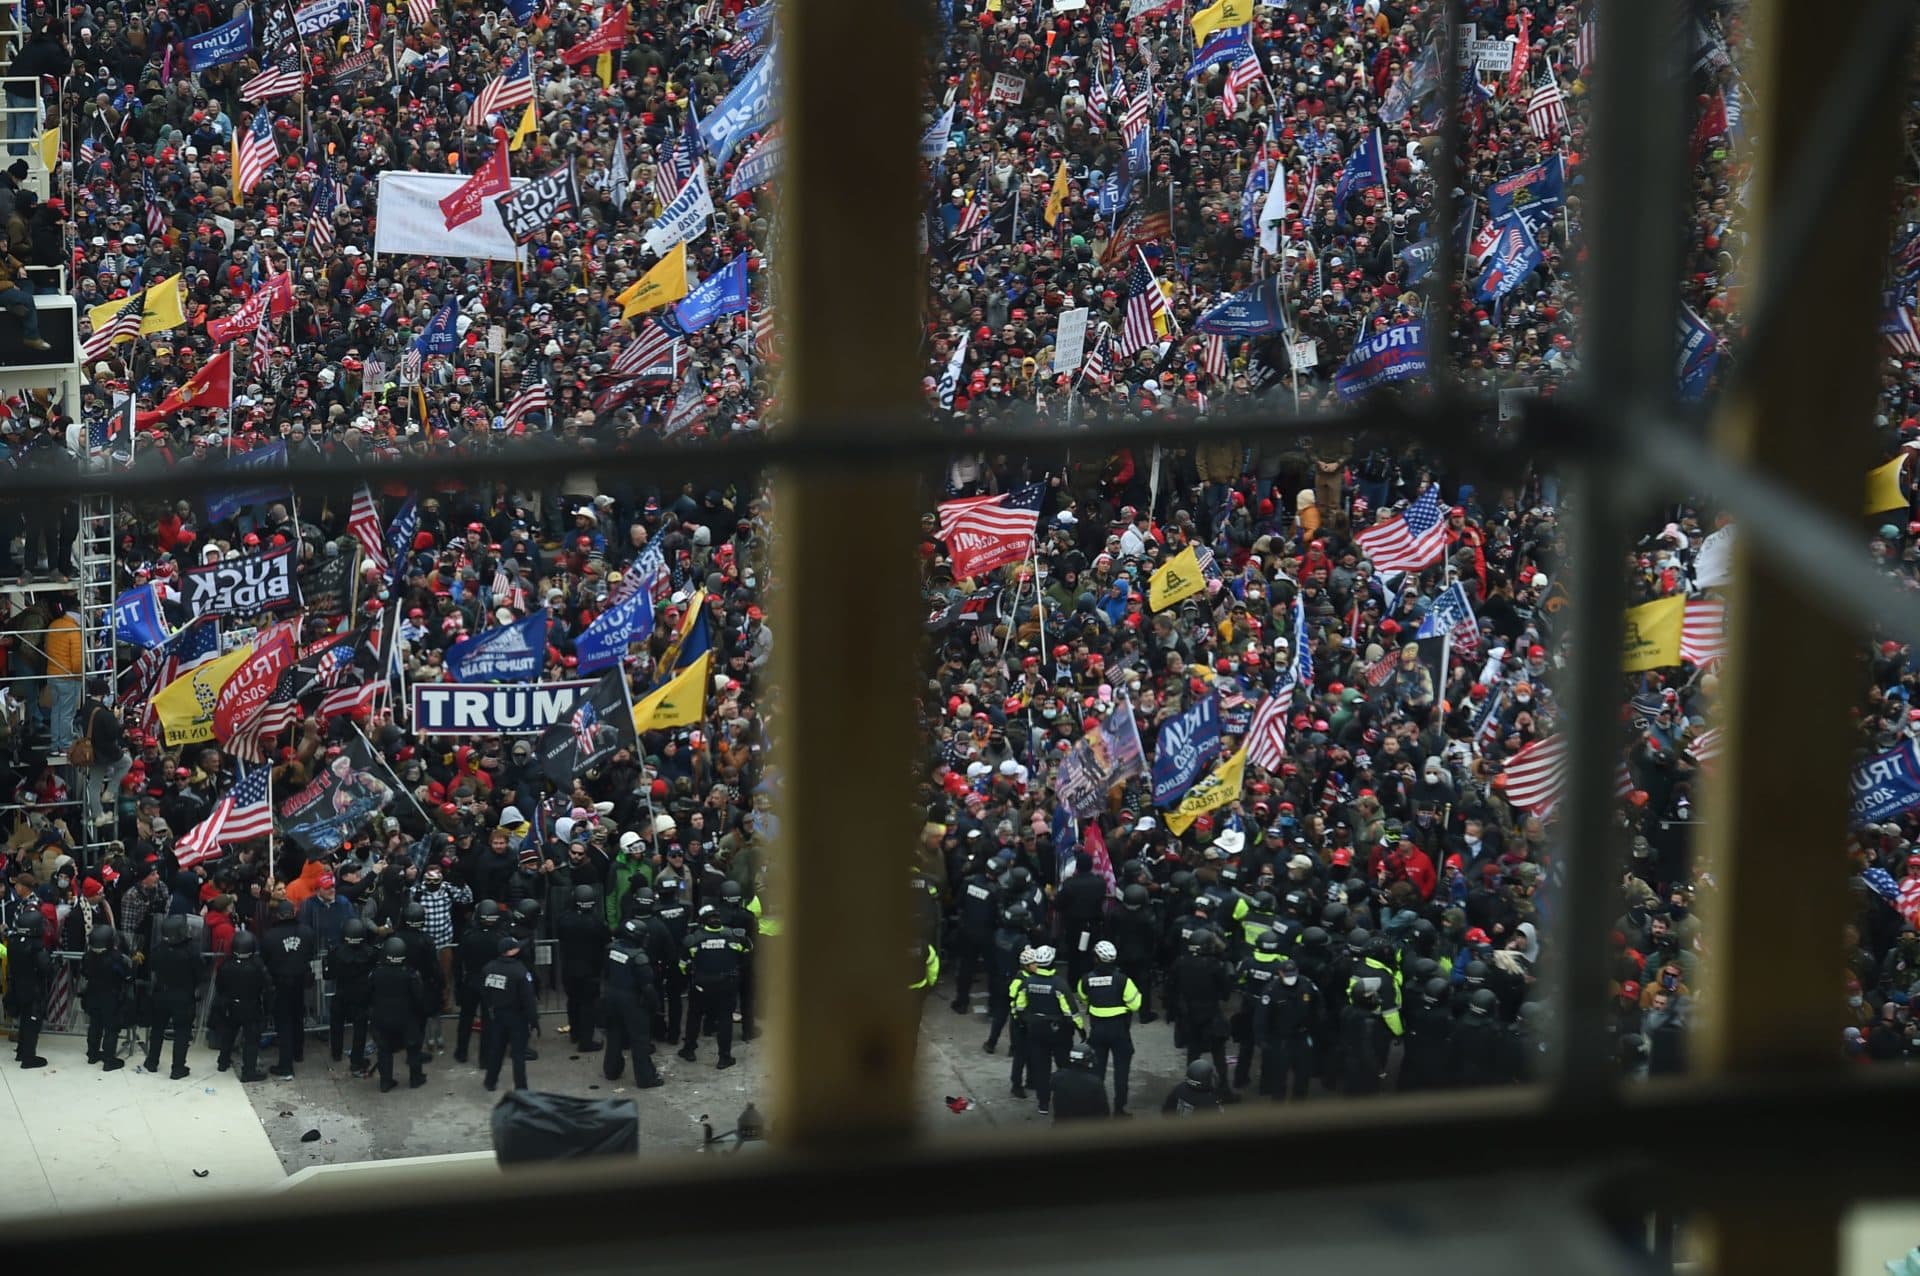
{"x":540,"y":204}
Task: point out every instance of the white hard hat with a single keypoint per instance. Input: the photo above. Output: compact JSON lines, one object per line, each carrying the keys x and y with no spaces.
{"x":629,"y":840}
{"x":1043,"y":955}
{"x":1103,"y":951}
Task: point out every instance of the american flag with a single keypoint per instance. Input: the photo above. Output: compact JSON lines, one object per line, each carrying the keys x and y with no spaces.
{"x":420,"y":11}
{"x":1096,"y":365}
{"x":156,"y":211}
{"x":764,"y":332}
{"x":1547,"y":109}
{"x":1449,"y":612}
{"x":532,"y":396}
{"x":1267,"y":733}
{"x":508,"y":91}
{"x":1146,"y":307}
{"x":191,"y":646}
{"x":1241,"y":76}
{"x":1909,"y":905}
{"x":91,"y":150}
{"x":348,"y":699}
{"x":124,"y":324}
{"x":1213,"y":356}
{"x":1139,"y":105}
{"x":326,"y":198}
{"x":584,"y":719}
{"x":249,"y":741}
{"x":1703,"y":631}
{"x":1007,"y":514}
{"x":1096,"y":88}
{"x":1898,"y":326}
{"x":258,"y":151}
{"x":260,"y":352}
{"x":375,"y":373}
{"x":410,"y":360}
{"x":673,"y":166}
{"x":243,"y":813}
{"x":364,"y":525}
{"x":1415,"y":540}
{"x":1536,"y":773}
{"x":651,"y":348}
{"x":283,"y":76}
{"x":1706,"y":746}
{"x":1583,"y":46}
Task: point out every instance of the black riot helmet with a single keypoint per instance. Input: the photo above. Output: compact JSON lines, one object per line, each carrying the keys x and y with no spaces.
{"x":1200,"y":1074}
{"x":488,"y":913}
{"x":244,"y":944}
{"x":1482,"y":1002}
{"x":585,"y":897}
{"x":1264,"y":901}
{"x":283,"y":911}
{"x":633,"y":930}
{"x":1476,"y":973}
{"x":1380,"y":948}
{"x":1357,"y":940}
{"x":1335,"y":917}
{"x":1315,"y":937}
{"x":1435,"y":990}
{"x":1424,"y":936}
{"x":415,"y":915}
{"x":1269,"y":941}
{"x":643,"y":903}
{"x":1421,"y":969}
{"x":174,"y":930}
{"x":394,"y":951}
{"x":526,"y":910}
{"x":1017,"y":915}
{"x":730,"y":891}
{"x":101,"y":939}
{"x":1297,"y":902}
{"x":1356,"y":890}
{"x":1135,"y":896}
{"x":1181,"y":882}
{"x":354,"y":931}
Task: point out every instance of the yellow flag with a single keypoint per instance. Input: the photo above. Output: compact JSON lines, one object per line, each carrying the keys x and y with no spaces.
{"x":1226,"y":13}
{"x":603,"y":66}
{"x":681,"y":702}
{"x":1057,"y":201}
{"x":696,"y":608}
{"x":1215,"y":790}
{"x":1180,"y":578}
{"x":50,"y":149}
{"x":524,"y":130}
{"x":1653,"y":634}
{"x":666,"y":282}
{"x":185,"y":705}
{"x":1883,"y":487}
{"x":164,"y":308}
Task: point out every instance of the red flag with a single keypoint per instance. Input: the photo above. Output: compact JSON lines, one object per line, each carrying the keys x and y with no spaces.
{"x":247,"y":690}
{"x":279,"y":289}
{"x":243,"y":320}
{"x":491,"y":178}
{"x":211,"y":387}
{"x":609,"y":37}
{"x":1522,"y":54}
{"x":1713,"y":123}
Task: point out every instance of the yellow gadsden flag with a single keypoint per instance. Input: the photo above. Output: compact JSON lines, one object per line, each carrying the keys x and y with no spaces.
{"x":1653,"y":634}
{"x":1227,"y":13}
{"x":1179,"y":579}
{"x":1057,"y":201}
{"x":1883,"y":487}
{"x":1215,"y":790}
{"x":681,"y":702}
{"x":666,"y":282}
{"x":185,"y":705}
{"x":525,"y":129}
{"x":162,"y":303}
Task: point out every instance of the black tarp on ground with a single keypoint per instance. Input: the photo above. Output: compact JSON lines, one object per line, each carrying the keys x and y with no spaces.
{"x":532,"y":1125}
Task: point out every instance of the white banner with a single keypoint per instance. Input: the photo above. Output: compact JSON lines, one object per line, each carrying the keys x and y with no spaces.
{"x":508,"y":708}
{"x":408,"y":220}
{"x":1070,"y":347}
{"x":685,"y":218}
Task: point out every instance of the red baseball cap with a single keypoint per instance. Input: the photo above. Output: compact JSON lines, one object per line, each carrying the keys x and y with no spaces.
{"x":326,"y":881}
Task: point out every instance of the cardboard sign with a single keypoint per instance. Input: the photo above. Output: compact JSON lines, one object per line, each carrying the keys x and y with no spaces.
{"x":1007,"y":88}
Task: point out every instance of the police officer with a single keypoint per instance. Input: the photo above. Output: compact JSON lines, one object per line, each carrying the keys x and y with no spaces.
{"x":736,"y":916}
{"x":349,"y":964}
{"x":108,"y":997}
{"x":506,"y":992}
{"x":1136,"y":934}
{"x":630,"y":1000}
{"x":1363,"y":1038}
{"x":581,"y":935}
{"x":397,"y":1005}
{"x":1475,"y":1050}
{"x":178,"y":974}
{"x":662,"y":955}
{"x":1112,"y":999}
{"x":1429,"y":1038}
{"x":1003,"y":967}
{"x":290,"y":949}
{"x":1198,"y":1094}
{"x":1284,"y":1023}
{"x":242,"y":999}
{"x":979,"y":910}
{"x":480,"y":945}
{"x":29,"y":981}
{"x":1078,"y":1090}
{"x":1258,"y":969}
{"x":1197,"y":989}
{"x":712,"y":966}
{"x":524,"y":922}
{"x":672,"y":912}
{"x":423,"y":958}
{"x":1050,"y":1014}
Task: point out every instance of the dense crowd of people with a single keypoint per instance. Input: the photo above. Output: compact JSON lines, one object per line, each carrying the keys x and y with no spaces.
{"x":1369,"y":903}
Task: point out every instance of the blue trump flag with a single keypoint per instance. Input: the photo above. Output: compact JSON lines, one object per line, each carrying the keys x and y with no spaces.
{"x":442,"y":333}
{"x":1365,"y":169}
{"x":1515,"y":255}
{"x":1187,"y":745}
{"x":507,"y":653}
{"x":749,"y":108}
{"x":1394,"y":355}
{"x":1887,"y":783}
{"x":400,"y":541}
{"x":1419,"y":258}
{"x":1255,"y":310}
{"x":1229,"y":45}
{"x":721,"y":293}
{"x":223,"y":504}
{"x":1536,"y":193}
{"x":605,"y":641}
{"x":137,"y":619}
{"x":229,"y":42}
{"x":1699,"y":354}
{"x":1115,"y":193}
{"x":522,"y":11}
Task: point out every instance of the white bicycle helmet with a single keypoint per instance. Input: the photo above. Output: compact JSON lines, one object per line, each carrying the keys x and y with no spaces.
{"x":1044,"y":955}
{"x":1103,"y":951}
{"x":1028,"y":957}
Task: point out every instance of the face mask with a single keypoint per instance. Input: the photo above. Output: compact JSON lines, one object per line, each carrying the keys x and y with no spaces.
{"x":1289,"y":980}
{"x":1856,"y":1000}
{"x":1668,"y":981}
{"x":1677,"y":910}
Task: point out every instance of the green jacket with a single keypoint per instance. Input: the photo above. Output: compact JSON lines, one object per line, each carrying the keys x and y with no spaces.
{"x":626,"y":870}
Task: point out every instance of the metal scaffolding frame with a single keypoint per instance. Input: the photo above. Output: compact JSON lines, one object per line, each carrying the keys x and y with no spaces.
{"x":1761,"y":1132}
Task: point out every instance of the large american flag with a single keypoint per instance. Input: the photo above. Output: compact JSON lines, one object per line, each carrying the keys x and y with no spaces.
{"x":1536,"y":774}
{"x":532,"y":396}
{"x":250,"y":739}
{"x":1547,"y":109}
{"x":1139,"y":104}
{"x":1703,"y":631}
{"x":191,"y":646}
{"x":243,"y":813}
{"x":1267,"y":734}
{"x":1415,"y":540}
{"x":653,"y":347}
{"x":1145,"y":305}
{"x":673,"y":164}
{"x":124,"y":324}
{"x":1583,"y":46}
{"x":348,"y":699}
{"x":508,"y":91}
{"x":363,"y":522}
{"x":258,"y":151}
{"x":1005,"y":514}
{"x":282,"y":76}
{"x":1241,"y":76}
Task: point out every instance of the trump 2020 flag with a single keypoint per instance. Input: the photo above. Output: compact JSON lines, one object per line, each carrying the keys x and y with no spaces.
{"x":137,"y":619}
{"x":722,"y":293}
{"x":1245,"y":313}
{"x":1366,"y":168}
{"x":605,"y":641}
{"x":1396,"y":354}
{"x":1515,"y":255}
{"x":1187,"y":745}
{"x":226,"y":43}
{"x":442,"y":333}
{"x":507,"y":653}
{"x":1699,"y":353}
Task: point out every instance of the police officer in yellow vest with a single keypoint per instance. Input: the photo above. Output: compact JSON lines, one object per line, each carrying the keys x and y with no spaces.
{"x":1377,"y":971}
{"x":1043,"y":1003}
{"x":924,"y":961}
{"x":1112,"y":1000}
